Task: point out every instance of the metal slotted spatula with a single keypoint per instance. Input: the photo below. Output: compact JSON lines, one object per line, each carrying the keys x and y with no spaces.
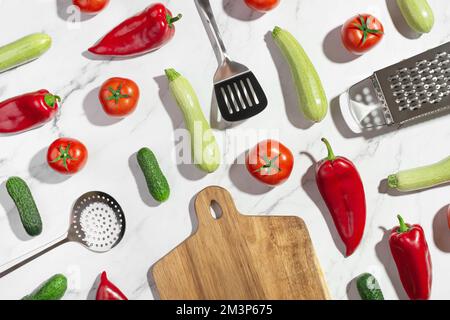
{"x":238,"y":92}
{"x":97,"y":222}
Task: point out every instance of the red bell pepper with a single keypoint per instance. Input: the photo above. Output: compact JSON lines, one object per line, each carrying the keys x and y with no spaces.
{"x":28,"y":111}
{"x":412,"y":257}
{"x":108,"y":291}
{"x":143,"y":33}
{"x":342,"y":189}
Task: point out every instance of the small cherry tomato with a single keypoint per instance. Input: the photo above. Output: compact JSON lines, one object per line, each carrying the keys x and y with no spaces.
{"x":67,"y":156}
{"x":270,"y":162}
{"x":361,"y":33}
{"x":91,"y":6}
{"x":119,"y":96}
{"x":262,"y":5}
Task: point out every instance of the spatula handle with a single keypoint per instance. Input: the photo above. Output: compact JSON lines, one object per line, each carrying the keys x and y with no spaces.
{"x":205,"y":200}
{"x":209,"y":21}
{"x":30,"y":256}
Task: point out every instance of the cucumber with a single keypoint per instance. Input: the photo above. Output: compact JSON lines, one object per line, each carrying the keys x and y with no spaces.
{"x":421,"y":178}
{"x":368,"y":287}
{"x":24,"y":50}
{"x":204,"y":147}
{"x":53,"y":289}
{"x":312,"y":98}
{"x":156,"y":181}
{"x":22,"y":197}
{"x":418,"y":14}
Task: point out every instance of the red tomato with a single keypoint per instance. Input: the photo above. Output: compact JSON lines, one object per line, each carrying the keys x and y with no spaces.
{"x":361,"y":33}
{"x":67,"y":156}
{"x":262,"y":5}
{"x":119,"y":96}
{"x":270,"y":162}
{"x":91,"y":6}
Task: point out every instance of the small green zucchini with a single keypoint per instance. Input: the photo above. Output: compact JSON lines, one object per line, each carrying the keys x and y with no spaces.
{"x":53,"y":289}
{"x":312,"y":98}
{"x":205,"y":150}
{"x":24,"y":50}
{"x":418,"y":14}
{"x":421,"y":178}
{"x":156,"y":181}
{"x":368,"y":287}
{"x":28,"y":211}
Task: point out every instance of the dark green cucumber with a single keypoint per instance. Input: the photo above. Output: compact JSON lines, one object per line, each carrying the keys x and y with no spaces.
{"x":53,"y":289}
{"x":156,"y":181}
{"x":368,"y":287}
{"x":22,"y":197}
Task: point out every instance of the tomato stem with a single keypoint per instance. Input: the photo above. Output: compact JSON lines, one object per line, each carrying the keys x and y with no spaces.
{"x":116,"y":95}
{"x":64,"y":156}
{"x":364,"y":27}
{"x":270,"y":164}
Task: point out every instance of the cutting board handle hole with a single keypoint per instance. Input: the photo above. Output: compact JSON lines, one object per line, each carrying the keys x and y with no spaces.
{"x":216,"y":210}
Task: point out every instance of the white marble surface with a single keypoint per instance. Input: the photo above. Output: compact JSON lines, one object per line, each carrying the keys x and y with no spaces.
{"x":153,"y":231}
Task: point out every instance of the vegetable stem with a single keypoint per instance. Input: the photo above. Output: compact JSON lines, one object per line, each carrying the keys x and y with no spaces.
{"x":172,"y":20}
{"x":403,"y":226}
{"x":393,"y":181}
{"x":172,"y":74}
{"x":331,"y":155}
{"x":51,"y":100}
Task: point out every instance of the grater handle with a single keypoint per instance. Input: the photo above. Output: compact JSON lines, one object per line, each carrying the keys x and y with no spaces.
{"x":30,"y":256}
{"x":209,"y":21}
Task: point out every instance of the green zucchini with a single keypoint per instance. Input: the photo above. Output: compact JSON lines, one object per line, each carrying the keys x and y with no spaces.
{"x":205,"y":151}
{"x":312,"y":98}
{"x":421,"y":178}
{"x":368,"y":287}
{"x":156,"y":181}
{"x":418,"y":14}
{"x":24,"y":50}
{"x":53,"y":289}
{"x":22,"y":197}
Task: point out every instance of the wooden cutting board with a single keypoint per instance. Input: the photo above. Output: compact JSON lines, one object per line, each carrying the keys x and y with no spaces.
{"x":241,"y":257}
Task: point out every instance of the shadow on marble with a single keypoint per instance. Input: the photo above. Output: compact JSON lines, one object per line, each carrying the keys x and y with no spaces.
{"x":92,"y":294}
{"x":309,"y":184}
{"x":188,"y":171}
{"x":94,"y":111}
{"x":152,"y":284}
{"x":441,"y":232}
{"x":333,"y":48}
{"x":346,"y":132}
{"x":383,"y":188}
{"x":65,"y":12}
{"x":41,"y":171}
{"x":12,"y":214}
{"x":141,"y":183}
{"x":239,"y":10}
{"x":352,"y":290}
{"x":400,"y":22}
{"x":385,"y":257}
{"x":291,"y":101}
{"x":243,"y":180}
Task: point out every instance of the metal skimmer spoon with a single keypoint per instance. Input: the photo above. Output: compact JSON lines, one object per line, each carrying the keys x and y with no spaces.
{"x":97,"y":222}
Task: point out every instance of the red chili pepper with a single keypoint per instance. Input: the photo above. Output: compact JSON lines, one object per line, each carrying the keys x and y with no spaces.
{"x":145,"y":32}
{"x":412,"y":257}
{"x":28,"y":111}
{"x":108,"y":291}
{"x":342,"y":189}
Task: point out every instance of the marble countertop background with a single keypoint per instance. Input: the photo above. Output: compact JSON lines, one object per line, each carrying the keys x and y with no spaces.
{"x":152,"y":231}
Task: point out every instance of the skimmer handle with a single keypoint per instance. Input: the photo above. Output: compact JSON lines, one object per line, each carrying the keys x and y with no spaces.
{"x":209,"y":21}
{"x":30,"y":256}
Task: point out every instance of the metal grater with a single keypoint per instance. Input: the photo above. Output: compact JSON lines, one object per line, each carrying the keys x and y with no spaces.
{"x":413,"y":90}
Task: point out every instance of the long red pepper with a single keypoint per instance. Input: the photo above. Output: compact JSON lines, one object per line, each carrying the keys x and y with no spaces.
{"x":108,"y":291}
{"x":342,"y":189}
{"x":28,"y":111}
{"x":412,"y":257}
{"x":142,"y":33}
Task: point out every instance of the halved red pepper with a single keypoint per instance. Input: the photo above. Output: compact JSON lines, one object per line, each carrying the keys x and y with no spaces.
{"x":108,"y":291}
{"x":145,"y":32}
{"x":412,"y":257}
{"x":342,"y":189}
{"x":28,"y":111}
